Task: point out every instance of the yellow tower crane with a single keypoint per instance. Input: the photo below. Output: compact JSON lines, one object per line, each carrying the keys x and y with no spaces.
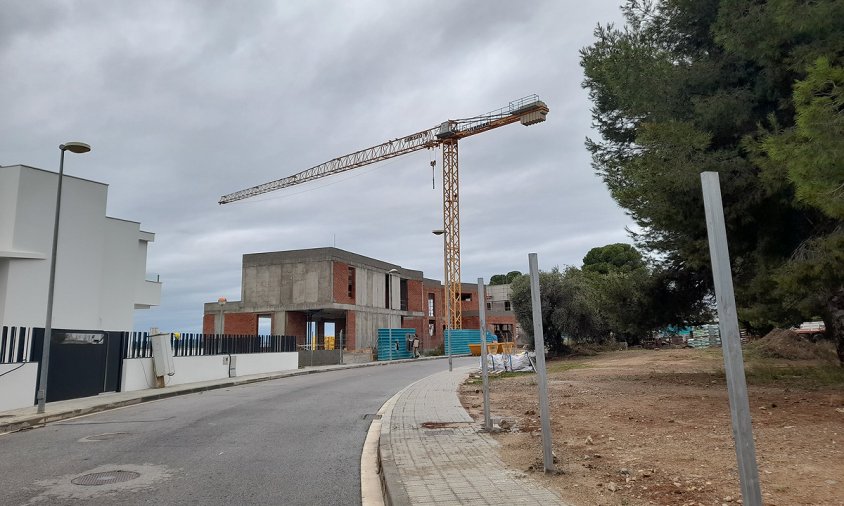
{"x":528,"y":110}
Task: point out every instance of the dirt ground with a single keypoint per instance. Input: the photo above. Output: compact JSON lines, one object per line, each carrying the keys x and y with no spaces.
{"x":644,"y":427}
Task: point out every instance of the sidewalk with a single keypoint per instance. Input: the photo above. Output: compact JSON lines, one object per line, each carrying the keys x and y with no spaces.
{"x":24,"y":418}
{"x":432,"y":452}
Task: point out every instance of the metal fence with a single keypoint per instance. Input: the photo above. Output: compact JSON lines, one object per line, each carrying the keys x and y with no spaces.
{"x":16,"y":345}
{"x":139,"y":345}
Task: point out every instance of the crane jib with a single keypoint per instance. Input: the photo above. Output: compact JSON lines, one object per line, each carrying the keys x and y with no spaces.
{"x":529,"y":110}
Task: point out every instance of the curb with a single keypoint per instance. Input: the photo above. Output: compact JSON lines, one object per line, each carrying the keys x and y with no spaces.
{"x":392,"y":487}
{"x":38,"y":420}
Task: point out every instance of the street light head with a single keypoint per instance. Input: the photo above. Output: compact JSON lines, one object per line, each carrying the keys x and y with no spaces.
{"x":75,"y":147}
{"x":393,"y":271}
{"x":438,"y":232}
{"x":222,"y":301}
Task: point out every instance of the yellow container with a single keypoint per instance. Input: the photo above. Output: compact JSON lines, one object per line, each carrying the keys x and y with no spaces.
{"x":508,"y":348}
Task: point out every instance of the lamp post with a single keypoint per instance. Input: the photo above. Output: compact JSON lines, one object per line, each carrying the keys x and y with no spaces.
{"x":73,"y":147}
{"x":391,"y":272}
{"x":447,"y":336}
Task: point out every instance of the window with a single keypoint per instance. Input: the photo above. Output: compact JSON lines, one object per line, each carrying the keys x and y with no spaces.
{"x":466,"y":297}
{"x":506,"y":305}
{"x":489,"y":306}
{"x":431,"y":328}
{"x":351,"y":282}
{"x":403,"y":294}
{"x":431,"y":305}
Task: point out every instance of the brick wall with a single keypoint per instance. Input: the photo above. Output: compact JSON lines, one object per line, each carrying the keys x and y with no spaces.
{"x":351,"y":337}
{"x":474,"y":322}
{"x":209,"y":324}
{"x":341,"y":284}
{"x":296,"y":326}
{"x":470,"y":305}
{"x":416,"y":296}
{"x":241,"y":324}
{"x":471,"y":322}
{"x":509,"y":319}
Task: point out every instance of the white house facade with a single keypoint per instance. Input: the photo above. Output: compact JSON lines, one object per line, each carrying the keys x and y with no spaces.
{"x":101,"y":261}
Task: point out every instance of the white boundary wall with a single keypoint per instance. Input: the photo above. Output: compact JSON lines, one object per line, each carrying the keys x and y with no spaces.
{"x":138,"y":373}
{"x":17,"y":389}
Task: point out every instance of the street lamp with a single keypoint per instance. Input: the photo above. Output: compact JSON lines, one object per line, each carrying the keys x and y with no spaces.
{"x":391,"y":272}
{"x":73,"y":147}
{"x":445,"y":298}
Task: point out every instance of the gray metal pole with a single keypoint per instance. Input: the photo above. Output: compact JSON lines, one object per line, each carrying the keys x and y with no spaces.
{"x":48,"y":327}
{"x":539,"y":346}
{"x":730,"y":340}
{"x":484,"y":367}
{"x":341,"y":347}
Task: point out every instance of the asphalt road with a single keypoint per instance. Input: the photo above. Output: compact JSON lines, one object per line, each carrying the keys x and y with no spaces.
{"x":294,"y":440}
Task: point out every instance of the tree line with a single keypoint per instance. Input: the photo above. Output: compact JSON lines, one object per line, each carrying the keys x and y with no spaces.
{"x":752,"y":90}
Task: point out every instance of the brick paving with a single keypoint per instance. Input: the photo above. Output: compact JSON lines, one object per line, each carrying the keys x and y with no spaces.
{"x":433,"y":453}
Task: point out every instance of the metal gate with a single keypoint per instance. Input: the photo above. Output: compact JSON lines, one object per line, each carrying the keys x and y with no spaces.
{"x":83,"y":363}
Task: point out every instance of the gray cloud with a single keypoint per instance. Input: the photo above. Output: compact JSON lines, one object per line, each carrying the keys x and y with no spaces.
{"x":186,"y":101}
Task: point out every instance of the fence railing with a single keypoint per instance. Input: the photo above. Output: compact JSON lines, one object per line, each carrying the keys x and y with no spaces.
{"x":139,"y":345}
{"x":16,"y":345}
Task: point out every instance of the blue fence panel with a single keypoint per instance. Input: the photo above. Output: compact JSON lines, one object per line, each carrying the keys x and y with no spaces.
{"x":399,"y":343}
{"x":461,"y":339}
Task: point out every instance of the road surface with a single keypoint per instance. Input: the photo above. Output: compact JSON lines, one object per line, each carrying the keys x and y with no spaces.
{"x":294,"y":440}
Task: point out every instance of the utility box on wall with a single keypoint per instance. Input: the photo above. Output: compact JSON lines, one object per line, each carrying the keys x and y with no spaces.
{"x":162,"y":358}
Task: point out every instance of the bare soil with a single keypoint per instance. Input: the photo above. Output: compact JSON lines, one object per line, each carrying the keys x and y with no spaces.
{"x":645,"y":427}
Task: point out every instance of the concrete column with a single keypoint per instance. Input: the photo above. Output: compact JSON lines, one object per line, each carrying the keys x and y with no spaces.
{"x":279,"y":325}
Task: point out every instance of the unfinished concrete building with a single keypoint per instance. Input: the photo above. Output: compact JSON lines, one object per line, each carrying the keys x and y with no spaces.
{"x":298,"y":292}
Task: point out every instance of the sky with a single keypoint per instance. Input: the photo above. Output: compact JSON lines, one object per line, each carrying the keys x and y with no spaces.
{"x":183,"y":102}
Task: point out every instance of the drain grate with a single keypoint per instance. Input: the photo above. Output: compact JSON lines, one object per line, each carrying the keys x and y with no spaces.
{"x":105,"y":478}
{"x":371,"y":417}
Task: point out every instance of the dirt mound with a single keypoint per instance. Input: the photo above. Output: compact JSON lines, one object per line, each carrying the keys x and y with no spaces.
{"x":789,"y":345}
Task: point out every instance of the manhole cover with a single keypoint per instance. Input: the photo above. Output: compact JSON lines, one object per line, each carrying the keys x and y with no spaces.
{"x":105,"y":478}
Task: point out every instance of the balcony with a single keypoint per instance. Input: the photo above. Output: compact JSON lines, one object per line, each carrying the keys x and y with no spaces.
{"x":148,"y":292}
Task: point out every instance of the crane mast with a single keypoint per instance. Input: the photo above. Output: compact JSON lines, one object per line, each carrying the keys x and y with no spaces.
{"x":527,"y":110}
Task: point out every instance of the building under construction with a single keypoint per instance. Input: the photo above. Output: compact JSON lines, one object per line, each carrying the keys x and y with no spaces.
{"x":298,"y":292}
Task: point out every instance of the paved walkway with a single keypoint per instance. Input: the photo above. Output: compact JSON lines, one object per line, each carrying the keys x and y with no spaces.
{"x":433,"y":453}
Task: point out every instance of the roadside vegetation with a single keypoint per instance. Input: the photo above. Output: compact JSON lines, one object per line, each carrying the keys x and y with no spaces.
{"x":752,"y":90}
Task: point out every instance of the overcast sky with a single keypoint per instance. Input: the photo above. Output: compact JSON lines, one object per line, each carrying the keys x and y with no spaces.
{"x":183,"y":102}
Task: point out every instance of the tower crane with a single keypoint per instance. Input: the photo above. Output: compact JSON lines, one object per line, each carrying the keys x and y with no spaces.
{"x":527,"y":110}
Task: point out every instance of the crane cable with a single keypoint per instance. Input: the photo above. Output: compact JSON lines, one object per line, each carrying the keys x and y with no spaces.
{"x":433,"y":168}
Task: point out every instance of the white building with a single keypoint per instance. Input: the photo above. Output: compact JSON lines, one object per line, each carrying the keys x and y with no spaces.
{"x":101,"y":267}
